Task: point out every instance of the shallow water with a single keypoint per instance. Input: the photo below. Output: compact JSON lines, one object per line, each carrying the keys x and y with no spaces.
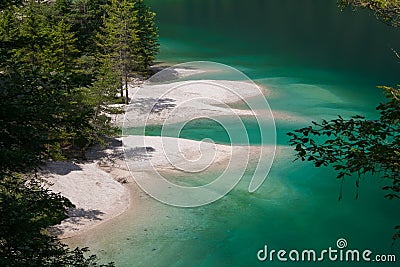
{"x":317,"y":62}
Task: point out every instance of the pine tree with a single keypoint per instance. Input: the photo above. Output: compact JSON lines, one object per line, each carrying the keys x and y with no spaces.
{"x":54,"y":98}
{"x":86,"y":19}
{"x":147,"y":42}
{"x":118,"y":38}
{"x":62,"y":9}
{"x":32,"y":36}
{"x":9,"y":35}
{"x":7,"y":3}
{"x":60,"y":55}
{"x":100,"y":96}
{"x":38,"y":116}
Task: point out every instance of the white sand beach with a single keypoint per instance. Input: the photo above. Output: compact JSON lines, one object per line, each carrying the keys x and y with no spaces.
{"x":94,"y":192}
{"x":153,"y":104}
{"x":96,"y":189}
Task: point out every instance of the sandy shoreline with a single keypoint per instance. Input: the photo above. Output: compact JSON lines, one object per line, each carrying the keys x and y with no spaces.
{"x":102,"y":190}
{"x":96,"y":195}
{"x":183,"y":101}
{"x":95,"y":187}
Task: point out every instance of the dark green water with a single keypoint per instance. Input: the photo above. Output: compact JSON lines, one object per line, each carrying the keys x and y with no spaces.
{"x":318,"y":62}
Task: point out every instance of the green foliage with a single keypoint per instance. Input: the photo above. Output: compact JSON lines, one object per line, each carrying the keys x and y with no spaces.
{"x":117,"y":39}
{"x":61,"y":53}
{"x":86,"y":19}
{"x":32,"y":36}
{"x":28,"y":119}
{"x":7,"y":3}
{"x":147,"y":42}
{"x":387,"y":11}
{"x":26,"y":210}
{"x":58,"y":88}
{"x":100,"y":96}
{"x":356,"y":145}
{"x":128,"y":39}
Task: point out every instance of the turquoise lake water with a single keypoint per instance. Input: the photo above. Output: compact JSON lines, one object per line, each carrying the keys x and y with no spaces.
{"x":318,"y":62}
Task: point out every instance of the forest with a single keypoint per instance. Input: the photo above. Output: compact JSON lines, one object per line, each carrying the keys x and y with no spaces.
{"x":65,"y":67}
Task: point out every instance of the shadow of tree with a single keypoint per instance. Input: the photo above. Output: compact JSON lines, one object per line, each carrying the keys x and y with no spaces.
{"x":139,"y":153}
{"x":167,"y":74}
{"x":164,"y":75}
{"x":110,"y":151}
{"x":152,"y":105}
{"x":76,"y":217}
{"x":99,"y":153}
{"x":60,"y":167}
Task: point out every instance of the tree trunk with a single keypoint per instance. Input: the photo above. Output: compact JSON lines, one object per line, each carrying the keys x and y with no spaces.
{"x":126,"y":88}
{"x":121,"y":86}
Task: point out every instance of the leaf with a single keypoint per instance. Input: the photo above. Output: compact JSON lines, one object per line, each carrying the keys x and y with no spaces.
{"x":318,"y":164}
{"x":340,"y":175}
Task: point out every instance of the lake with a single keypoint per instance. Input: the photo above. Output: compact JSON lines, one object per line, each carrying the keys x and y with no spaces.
{"x":319,"y":62}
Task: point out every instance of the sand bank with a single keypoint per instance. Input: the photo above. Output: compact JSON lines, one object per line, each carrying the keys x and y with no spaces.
{"x":101,"y":188}
{"x":182,"y":101}
{"x":96,"y":195}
